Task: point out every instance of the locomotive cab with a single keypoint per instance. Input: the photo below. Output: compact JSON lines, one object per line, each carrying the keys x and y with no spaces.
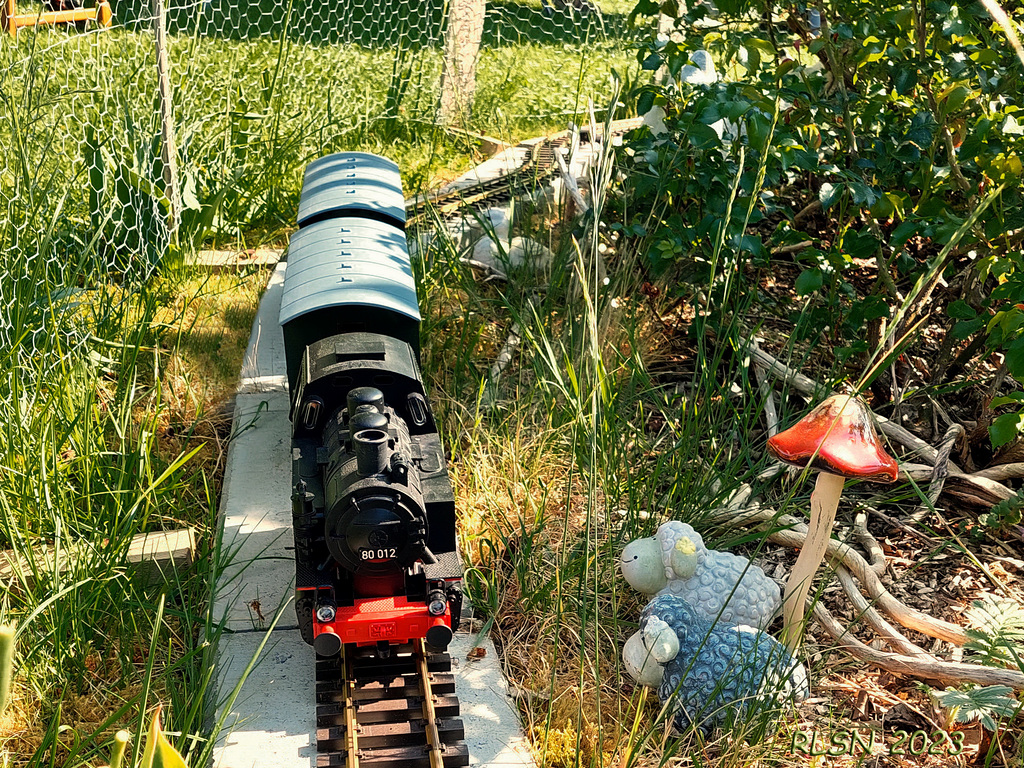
{"x":373,"y":513}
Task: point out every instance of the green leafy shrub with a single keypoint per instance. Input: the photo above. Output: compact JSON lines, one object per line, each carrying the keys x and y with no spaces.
{"x":874,"y":141}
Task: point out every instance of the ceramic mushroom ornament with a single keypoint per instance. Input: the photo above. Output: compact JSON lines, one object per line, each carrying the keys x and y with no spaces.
{"x":838,"y":439}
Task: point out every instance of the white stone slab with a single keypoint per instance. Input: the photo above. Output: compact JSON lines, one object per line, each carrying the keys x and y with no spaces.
{"x":263,"y":367}
{"x":271,"y":724}
{"x":229,"y":259}
{"x":493,"y":732}
{"x":256,"y":513}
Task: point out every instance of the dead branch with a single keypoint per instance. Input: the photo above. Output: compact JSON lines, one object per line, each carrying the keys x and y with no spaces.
{"x":909,"y":617}
{"x":876,"y":557}
{"x":803,"y":384}
{"x":866,"y":612}
{"x":1001,"y":472}
{"x":978,"y":487}
{"x":914,"y":666}
{"x":939,"y":473}
{"x":771,"y":415}
{"x":792,"y":247}
{"x":901,"y":525}
{"x":507,"y":352}
{"x":808,"y":210}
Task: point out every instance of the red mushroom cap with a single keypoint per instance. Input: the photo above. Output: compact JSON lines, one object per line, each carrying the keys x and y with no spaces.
{"x":838,"y":437}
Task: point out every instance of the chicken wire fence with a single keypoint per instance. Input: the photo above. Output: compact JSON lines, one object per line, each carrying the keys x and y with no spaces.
{"x":98,"y":180}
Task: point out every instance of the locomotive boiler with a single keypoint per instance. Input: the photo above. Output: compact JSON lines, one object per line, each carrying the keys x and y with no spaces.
{"x":376,"y":562}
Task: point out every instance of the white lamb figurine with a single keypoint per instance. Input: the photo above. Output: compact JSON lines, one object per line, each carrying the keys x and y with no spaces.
{"x":720,"y":585}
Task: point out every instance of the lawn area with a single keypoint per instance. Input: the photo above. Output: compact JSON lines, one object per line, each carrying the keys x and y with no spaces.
{"x":256,"y":100}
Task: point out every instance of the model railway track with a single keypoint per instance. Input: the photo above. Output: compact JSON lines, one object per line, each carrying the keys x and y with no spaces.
{"x":537,"y":166}
{"x":395,"y":712}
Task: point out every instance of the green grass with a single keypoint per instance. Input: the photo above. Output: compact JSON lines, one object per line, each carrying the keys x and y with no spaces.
{"x":256,"y":100}
{"x":104,"y":434}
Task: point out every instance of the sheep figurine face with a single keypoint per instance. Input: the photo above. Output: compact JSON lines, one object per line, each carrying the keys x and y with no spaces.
{"x":648,"y":650}
{"x":717,"y":670}
{"x":719,"y":585}
{"x":644,"y":569}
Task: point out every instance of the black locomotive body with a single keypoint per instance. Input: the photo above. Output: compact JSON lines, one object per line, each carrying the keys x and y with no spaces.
{"x":376,"y":561}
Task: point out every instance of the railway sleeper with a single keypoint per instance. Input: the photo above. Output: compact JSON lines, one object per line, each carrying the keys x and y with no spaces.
{"x":377,"y":669}
{"x":410,"y":733}
{"x":386,"y":710}
{"x":454,"y":756}
{"x":396,"y":687}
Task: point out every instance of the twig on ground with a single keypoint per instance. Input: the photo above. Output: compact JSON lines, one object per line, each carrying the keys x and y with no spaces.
{"x":939,"y":473}
{"x":772,"y":471}
{"x":977,"y":488}
{"x":914,"y":666}
{"x":771,"y":415}
{"x":1000,"y":472}
{"x":811,"y":208}
{"x":492,"y":272}
{"x":910,"y":441}
{"x":803,"y":384}
{"x":792,"y":247}
{"x":931,"y":542}
{"x":507,"y":352}
{"x":864,"y":611}
{"x":876,"y":557}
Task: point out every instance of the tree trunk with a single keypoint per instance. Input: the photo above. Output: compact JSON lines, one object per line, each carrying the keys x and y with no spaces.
{"x":462,"y":48}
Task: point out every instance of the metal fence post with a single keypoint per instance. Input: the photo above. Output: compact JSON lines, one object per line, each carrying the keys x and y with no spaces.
{"x":169,"y":147}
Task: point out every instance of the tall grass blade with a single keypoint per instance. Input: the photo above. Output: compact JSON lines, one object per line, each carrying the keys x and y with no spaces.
{"x":6,"y":663}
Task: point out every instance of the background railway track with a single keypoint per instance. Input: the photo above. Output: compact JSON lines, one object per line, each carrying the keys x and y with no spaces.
{"x":535,"y":166}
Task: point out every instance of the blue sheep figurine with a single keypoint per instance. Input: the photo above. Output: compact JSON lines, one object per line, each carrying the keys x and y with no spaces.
{"x":710,"y":671}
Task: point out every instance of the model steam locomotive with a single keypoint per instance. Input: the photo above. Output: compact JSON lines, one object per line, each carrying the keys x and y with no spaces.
{"x":376,"y":562}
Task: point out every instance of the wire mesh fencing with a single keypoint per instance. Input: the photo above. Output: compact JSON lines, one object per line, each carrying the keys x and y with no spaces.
{"x":109,"y":171}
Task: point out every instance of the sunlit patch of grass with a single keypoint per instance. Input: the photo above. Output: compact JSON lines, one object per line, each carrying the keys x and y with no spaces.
{"x":122,"y":430}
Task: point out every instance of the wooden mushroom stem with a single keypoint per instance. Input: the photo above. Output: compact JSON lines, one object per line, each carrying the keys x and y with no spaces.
{"x":824,"y":502}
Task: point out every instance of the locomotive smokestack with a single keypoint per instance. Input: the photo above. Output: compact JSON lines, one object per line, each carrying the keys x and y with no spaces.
{"x":364,"y":396}
{"x":371,"y":449}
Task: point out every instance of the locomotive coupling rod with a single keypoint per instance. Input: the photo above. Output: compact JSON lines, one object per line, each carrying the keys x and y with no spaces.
{"x":351,"y":725}
{"x":430,"y":717}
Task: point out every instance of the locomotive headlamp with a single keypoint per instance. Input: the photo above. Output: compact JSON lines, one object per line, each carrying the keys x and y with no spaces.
{"x":437,"y":603}
{"x":325,"y":613}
